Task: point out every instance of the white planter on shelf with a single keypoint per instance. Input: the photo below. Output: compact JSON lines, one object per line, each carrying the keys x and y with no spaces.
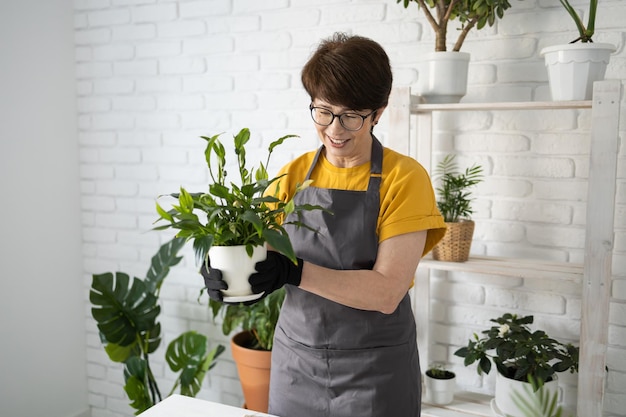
{"x":442,"y":77}
{"x":574,"y":67}
{"x":504,"y":404}
{"x":439,"y":391}
{"x":236,"y":267}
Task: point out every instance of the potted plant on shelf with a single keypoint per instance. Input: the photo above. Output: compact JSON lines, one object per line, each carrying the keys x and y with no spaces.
{"x":252,"y":343}
{"x":231,"y":223}
{"x":440,"y":384}
{"x":520,"y":355}
{"x":454,"y":204}
{"x":126,"y":312}
{"x":574,"y":67}
{"x":443,"y":74}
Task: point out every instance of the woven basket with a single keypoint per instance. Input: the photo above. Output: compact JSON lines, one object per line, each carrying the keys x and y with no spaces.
{"x":456,"y":243}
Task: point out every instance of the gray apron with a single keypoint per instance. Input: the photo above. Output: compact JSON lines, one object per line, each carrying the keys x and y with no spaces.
{"x":329,"y":359}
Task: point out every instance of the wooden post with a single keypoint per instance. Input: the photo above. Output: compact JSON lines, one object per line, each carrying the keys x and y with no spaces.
{"x":598,"y":247}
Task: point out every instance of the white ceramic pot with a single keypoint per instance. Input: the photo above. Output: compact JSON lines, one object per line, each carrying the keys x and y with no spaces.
{"x":236,"y":267}
{"x":442,"y":77}
{"x":505,"y":387}
{"x":574,"y":67}
{"x":439,"y":391}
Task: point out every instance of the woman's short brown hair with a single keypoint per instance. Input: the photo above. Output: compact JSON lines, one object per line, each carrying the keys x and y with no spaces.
{"x":350,"y":71}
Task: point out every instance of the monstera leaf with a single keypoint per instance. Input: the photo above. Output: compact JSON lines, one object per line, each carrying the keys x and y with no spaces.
{"x":124,"y":311}
{"x":187,"y":354}
{"x":164,"y":259}
{"x":137,"y":384}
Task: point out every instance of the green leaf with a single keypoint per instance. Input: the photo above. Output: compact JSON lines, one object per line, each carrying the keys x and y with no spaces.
{"x":121,"y":354}
{"x":122,"y":311}
{"x":161,"y":263}
{"x":136,"y":387}
{"x":186,"y":354}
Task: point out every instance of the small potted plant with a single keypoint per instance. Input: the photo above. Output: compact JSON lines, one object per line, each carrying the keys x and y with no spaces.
{"x":231,"y":221}
{"x":454,"y":204}
{"x":126,"y":312}
{"x":440,"y":384}
{"x":520,"y":355}
{"x":574,"y":67}
{"x":443,"y":74}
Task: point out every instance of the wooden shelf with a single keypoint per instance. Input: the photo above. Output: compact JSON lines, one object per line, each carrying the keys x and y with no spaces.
{"x":417,"y":107}
{"x":416,"y":140}
{"x":465,"y":404}
{"x":518,"y":268}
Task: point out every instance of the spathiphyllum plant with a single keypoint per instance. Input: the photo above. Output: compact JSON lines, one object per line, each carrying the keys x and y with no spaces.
{"x":233,"y":213}
{"x":518,"y":352}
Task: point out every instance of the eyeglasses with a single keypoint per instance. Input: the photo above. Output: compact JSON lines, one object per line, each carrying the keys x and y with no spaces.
{"x":349,"y":121}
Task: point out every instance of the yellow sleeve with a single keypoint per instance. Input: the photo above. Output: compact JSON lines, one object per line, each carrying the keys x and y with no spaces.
{"x":408,"y":201}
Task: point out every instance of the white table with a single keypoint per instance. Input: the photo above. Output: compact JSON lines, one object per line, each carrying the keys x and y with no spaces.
{"x":181,"y":406}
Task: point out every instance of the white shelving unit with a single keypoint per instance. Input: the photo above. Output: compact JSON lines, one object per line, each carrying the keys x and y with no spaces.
{"x":594,"y":275}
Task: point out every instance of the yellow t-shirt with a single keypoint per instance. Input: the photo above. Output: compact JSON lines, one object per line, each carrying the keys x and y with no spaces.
{"x":407,"y":200}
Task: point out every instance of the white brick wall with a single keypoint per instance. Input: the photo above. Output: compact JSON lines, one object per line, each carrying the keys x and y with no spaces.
{"x":153,"y":75}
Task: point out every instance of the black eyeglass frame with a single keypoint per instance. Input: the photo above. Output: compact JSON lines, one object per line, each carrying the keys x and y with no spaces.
{"x":363,"y":118}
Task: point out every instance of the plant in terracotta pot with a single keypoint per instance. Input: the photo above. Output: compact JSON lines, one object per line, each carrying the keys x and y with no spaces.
{"x":440,"y":384}
{"x":574,"y":67}
{"x":454,"y":203}
{"x":232,"y":221}
{"x":126,"y":312}
{"x":451,"y":66}
{"x":251,"y":345}
{"x":520,"y":355}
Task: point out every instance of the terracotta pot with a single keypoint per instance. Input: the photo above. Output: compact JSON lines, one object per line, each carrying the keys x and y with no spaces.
{"x":253,"y":367}
{"x":456,"y":243}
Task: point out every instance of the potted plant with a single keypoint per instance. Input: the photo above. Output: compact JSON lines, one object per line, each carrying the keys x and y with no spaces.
{"x":520,"y":355}
{"x":252,"y":343}
{"x":126,"y":312}
{"x":443,"y":74}
{"x":440,"y":384}
{"x":574,"y":67}
{"x":454,"y":204}
{"x":231,"y":222}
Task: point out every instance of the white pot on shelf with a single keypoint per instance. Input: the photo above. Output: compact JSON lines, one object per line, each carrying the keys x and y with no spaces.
{"x":574,"y":67}
{"x":504,"y":403}
{"x":439,"y":391}
{"x":236,"y":267}
{"x":442,"y":77}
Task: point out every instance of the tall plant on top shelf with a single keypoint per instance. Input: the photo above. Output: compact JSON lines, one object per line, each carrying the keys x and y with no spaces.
{"x":443,"y":74}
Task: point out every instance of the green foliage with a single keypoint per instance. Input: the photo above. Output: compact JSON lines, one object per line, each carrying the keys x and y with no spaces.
{"x":585,"y":33}
{"x":519,"y":353}
{"x":233,"y":213}
{"x":259,"y":318}
{"x":454,"y":200}
{"x":438,"y":371}
{"x":470,"y":13}
{"x":537,"y":402}
{"x":126,"y":314}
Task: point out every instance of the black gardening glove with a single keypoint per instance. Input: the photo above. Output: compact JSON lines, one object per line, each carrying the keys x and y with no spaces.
{"x":274,"y":272}
{"x":213,"y":281}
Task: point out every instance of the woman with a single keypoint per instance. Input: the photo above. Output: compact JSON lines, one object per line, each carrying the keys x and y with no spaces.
{"x":345,"y":343}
